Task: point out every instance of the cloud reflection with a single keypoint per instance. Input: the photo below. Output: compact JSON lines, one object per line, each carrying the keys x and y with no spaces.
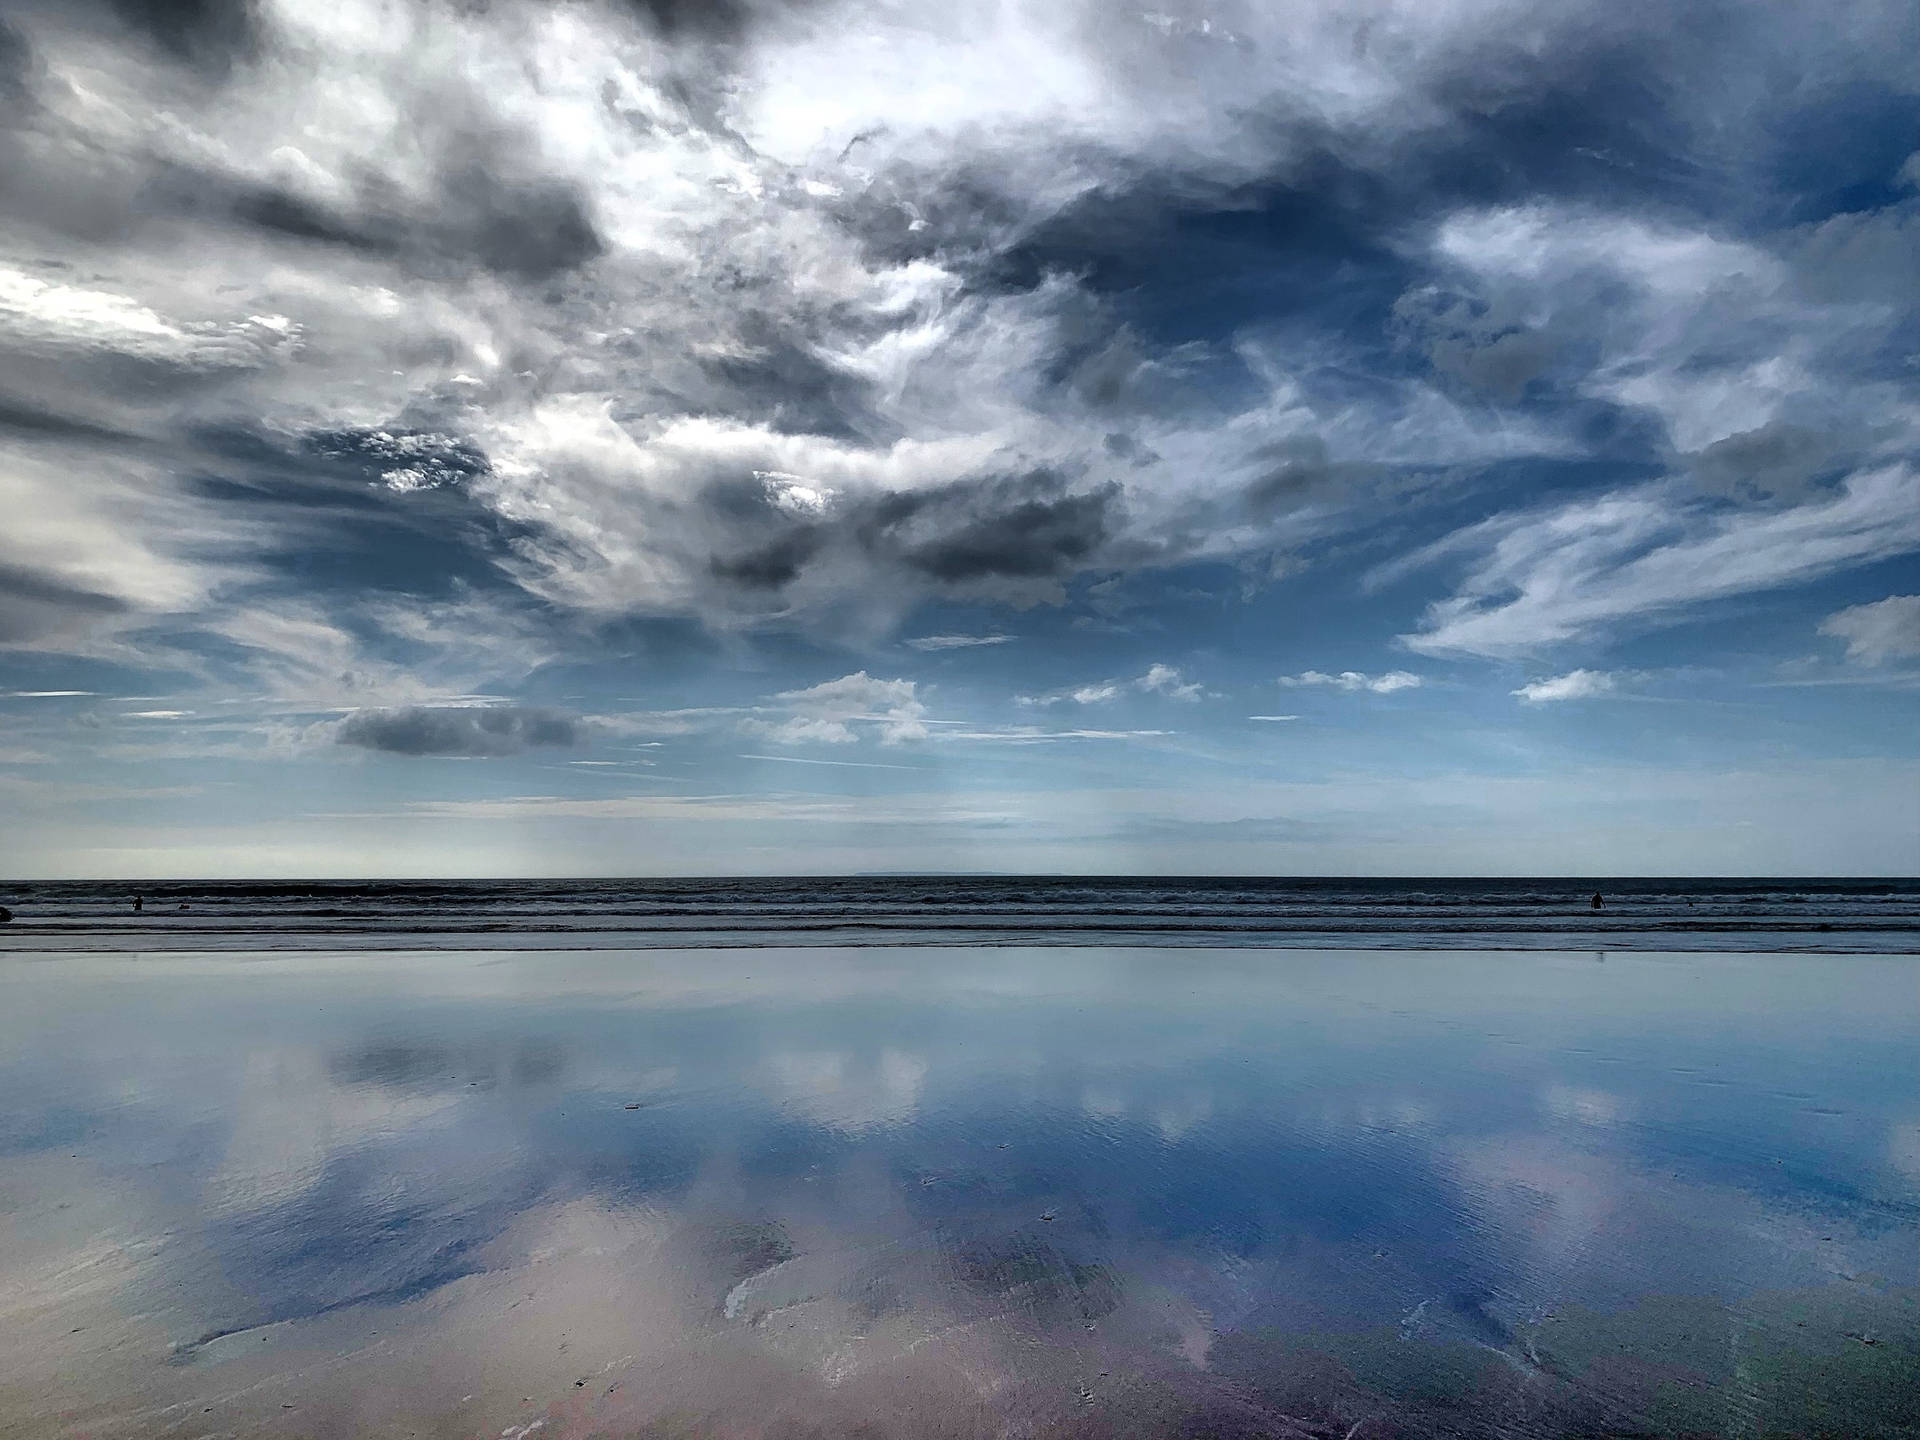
{"x":1054,"y":1188}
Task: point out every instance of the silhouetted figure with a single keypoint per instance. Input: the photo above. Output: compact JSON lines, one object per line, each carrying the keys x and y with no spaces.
{"x":138,"y":904}
{"x":1597,"y":901}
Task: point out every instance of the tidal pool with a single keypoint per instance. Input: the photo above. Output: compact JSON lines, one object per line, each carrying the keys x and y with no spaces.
{"x":959,"y":1192}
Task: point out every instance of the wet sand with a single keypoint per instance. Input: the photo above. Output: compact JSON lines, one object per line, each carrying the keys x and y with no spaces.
{"x":959,"y":1192}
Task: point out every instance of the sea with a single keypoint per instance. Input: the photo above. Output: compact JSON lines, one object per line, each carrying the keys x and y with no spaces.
{"x":1836,"y":915}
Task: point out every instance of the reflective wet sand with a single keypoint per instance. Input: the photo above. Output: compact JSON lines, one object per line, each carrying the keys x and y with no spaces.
{"x":959,"y":1192}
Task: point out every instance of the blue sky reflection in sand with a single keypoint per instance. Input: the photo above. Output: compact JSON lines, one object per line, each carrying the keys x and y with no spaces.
{"x":755,"y":1188}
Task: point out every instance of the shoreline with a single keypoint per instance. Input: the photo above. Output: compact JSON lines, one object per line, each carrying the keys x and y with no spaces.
{"x":1647,"y":939}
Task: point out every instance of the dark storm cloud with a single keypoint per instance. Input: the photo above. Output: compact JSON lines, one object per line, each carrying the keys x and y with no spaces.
{"x":1012,"y":529}
{"x":772,"y":565}
{"x":211,"y":33}
{"x":16,"y":67}
{"x":726,"y":21}
{"x":38,"y":421}
{"x":531,"y":228}
{"x":783,"y":382}
{"x":284,"y":213}
{"x":1292,"y":471}
{"x":459,"y":731}
{"x":975,"y":536}
{"x":524,"y":227}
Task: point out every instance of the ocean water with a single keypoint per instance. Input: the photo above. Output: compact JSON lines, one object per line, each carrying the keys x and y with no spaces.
{"x":810,"y":1191}
{"x":1741,"y":914}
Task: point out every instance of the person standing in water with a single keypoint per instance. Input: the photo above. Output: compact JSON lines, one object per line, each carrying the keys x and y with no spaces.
{"x":138,"y":904}
{"x":1597,"y":901}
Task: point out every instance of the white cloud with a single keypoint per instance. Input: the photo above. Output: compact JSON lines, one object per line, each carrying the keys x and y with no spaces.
{"x":661,"y":443}
{"x":837,"y":1089}
{"x":1273,"y":717}
{"x":1711,"y":337}
{"x":39,"y":316}
{"x":1882,"y":630}
{"x":828,"y":713}
{"x":395,"y":653}
{"x":1165,"y":680}
{"x":103,"y":540}
{"x":1351,"y":680}
{"x":1574,"y":685}
{"x":956,"y":642}
{"x":1645,"y":556}
{"x":1159,"y":679}
{"x":1584,"y":1106}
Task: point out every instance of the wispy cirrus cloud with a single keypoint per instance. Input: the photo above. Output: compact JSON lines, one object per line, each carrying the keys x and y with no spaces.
{"x":1650,"y":556}
{"x":957,"y":642}
{"x":1159,"y":679}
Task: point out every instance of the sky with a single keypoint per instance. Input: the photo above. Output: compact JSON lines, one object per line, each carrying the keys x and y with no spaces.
{"x":535,"y":437}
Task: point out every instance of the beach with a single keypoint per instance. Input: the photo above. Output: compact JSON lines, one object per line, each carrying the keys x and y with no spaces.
{"x":1031,"y":720}
{"x":780,"y":1189}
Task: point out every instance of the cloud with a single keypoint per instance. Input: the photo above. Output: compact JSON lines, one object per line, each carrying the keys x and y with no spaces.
{"x":478,"y":260}
{"x":1649,"y":556}
{"x":956,"y":642}
{"x":379,"y":652}
{"x":407,"y":460}
{"x":1574,"y":685}
{"x":625,"y":311}
{"x":1775,"y":460}
{"x":481,"y":730}
{"x":1352,"y":680}
{"x":1165,"y":680}
{"x":829,"y":712}
{"x":1883,"y":630}
{"x":1159,"y":679}
{"x":1273,"y":717}
{"x":1744,"y":358}
{"x":53,"y":320}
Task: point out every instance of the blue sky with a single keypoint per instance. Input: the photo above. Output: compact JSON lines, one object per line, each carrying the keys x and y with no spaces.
{"x":626,"y":438}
